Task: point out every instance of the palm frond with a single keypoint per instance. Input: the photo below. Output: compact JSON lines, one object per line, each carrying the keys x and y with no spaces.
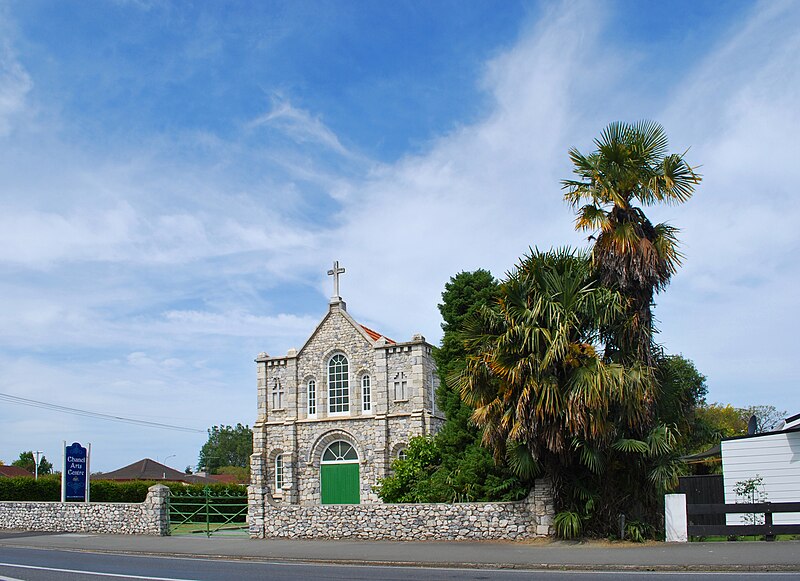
{"x":631,"y":446}
{"x":521,"y":461}
{"x":660,"y":440}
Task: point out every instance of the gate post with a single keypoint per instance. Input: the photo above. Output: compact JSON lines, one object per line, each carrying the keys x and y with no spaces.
{"x":156,"y":508}
{"x":676,"y":521}
{"x":256,"y":511}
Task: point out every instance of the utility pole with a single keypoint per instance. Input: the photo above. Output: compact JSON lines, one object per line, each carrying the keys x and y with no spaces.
{"x":36,"y":456}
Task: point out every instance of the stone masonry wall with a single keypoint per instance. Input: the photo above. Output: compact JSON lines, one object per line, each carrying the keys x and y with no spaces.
{"x":525,"y":519}
{"x":377,"y":434}
{"x":147,"y":518}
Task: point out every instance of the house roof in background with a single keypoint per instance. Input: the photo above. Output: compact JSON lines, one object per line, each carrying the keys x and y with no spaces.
{"x":13,"y":471}
{"x":788,"y":422}
{"x":776,"y":432}
{"x":224,"y":478}
{"x":713,"y":452}
{"x":147,"y":469}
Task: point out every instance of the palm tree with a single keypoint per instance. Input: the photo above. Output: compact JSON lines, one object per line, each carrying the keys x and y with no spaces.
{"x":545,"y":397}
{"x":534,"y":375}
{"x":630,"y":166}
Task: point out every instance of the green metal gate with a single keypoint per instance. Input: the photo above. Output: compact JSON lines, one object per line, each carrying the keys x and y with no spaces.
{"x":208,"y":514}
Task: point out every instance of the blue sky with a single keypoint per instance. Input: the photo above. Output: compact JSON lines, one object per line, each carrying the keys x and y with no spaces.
{"x":178,"y":177}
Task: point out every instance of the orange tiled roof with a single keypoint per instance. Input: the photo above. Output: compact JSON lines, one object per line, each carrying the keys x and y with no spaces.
{"x":374,"y":335}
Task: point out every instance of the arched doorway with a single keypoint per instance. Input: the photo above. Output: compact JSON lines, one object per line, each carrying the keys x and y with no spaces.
{"x":339,"y":478}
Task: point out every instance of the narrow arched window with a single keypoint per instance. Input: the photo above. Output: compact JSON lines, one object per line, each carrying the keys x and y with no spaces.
{"x":338,"y":385}
{"x":279,"y":473}
{"x":366,"y":393}
{"x":312,"y":397}
{"x":277,"y":395}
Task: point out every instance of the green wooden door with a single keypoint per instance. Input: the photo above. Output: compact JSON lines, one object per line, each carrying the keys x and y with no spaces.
{"x":340,"y":483}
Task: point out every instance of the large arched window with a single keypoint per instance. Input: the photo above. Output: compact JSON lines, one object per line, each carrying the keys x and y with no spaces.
{"x":338,"y":385}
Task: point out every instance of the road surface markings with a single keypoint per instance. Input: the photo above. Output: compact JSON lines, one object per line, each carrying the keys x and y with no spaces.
{"x":95,"y":573}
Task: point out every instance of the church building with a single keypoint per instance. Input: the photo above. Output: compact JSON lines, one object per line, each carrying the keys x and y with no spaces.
{"x":334,"y":415}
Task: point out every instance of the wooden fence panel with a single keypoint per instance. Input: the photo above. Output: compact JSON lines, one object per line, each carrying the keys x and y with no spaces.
{"x":768,"y":509}
{"x":705,"y":489}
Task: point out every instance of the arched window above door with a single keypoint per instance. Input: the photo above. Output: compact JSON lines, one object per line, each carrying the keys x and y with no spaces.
{"x":340,"y":452}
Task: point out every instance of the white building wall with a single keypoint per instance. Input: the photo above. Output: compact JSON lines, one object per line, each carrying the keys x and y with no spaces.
{"x":776,"y":458}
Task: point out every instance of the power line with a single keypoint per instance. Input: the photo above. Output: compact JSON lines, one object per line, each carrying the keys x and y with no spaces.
{"x":90,"y":414}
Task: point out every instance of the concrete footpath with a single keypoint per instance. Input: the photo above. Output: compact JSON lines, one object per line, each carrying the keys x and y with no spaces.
{"x":729,"y":556}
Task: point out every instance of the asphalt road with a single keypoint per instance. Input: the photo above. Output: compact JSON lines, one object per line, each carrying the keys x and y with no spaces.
{"x":733,"y":557}
{"x":48,"y":564}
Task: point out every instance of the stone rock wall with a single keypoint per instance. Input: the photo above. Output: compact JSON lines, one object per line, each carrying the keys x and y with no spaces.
{"x":147,"y":518}
{"x":525,"y":519}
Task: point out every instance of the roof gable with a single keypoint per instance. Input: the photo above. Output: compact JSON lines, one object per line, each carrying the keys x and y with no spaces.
{"x":338,"y":309}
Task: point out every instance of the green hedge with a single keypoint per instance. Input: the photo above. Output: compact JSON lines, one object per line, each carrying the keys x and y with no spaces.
{"x":48,"y":488}
{"x":26,"y":488}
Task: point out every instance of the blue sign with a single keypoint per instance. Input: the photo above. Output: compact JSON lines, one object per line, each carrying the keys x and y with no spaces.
{"x":75,"y":472}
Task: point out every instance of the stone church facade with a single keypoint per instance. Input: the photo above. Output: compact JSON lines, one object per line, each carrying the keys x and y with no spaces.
{"x":334,"y":415}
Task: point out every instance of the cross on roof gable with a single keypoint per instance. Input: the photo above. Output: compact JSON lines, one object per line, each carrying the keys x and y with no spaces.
{"x":335,"y":272}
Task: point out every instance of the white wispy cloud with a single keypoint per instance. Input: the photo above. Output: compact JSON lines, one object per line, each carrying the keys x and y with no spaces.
{"x":299,"y":124}
{"x":15,"y":84}
{"x":732,"y":305}
{"x":142,"y":277}
{"x":481,"y":195}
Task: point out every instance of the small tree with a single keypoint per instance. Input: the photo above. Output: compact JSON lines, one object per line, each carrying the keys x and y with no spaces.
{"x":723,"y":420}
{"x":751,"y":491}
{"x":226,"y":446}
{"x":241,"y":474}
{"x":767,"y":416}
{"x":27,"y":462}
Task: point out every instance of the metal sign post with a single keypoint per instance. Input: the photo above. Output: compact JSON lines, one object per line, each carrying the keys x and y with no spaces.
{"x":88,"y":473}
{"x":63,"y":471}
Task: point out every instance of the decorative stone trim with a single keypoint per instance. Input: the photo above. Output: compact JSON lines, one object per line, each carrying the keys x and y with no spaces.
{"x":395,"y":449}
{"x":328,"y":438}
{"x":148,"y":518}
